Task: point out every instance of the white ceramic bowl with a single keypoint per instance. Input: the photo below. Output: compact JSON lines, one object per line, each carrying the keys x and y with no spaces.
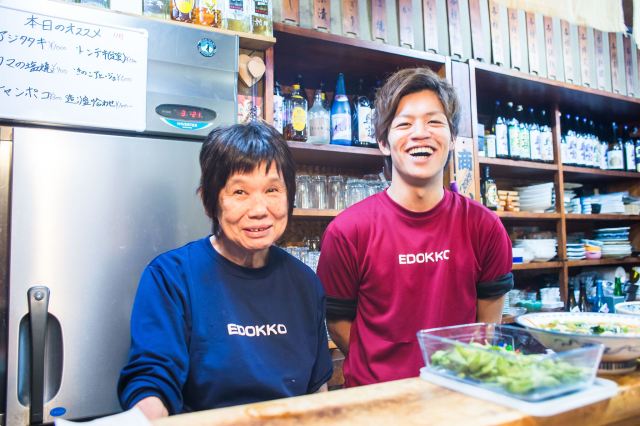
{"x":617,"y":348}
{"x":628,"y":308}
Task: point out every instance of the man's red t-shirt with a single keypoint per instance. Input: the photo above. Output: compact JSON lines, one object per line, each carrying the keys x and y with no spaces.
{"x":408,"y":271}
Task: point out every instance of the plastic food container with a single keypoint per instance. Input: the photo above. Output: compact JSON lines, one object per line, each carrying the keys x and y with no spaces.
{"x":507,"y":360}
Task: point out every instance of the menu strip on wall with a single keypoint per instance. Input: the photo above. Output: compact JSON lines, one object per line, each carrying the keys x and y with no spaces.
{"x":379,"y":20}
{"x":430,"y":19}
{"x":585,"y":66}
{"x":62,"y":70}
{"x":550,"y":53}
{"x":567,"y":53}
{"x":626,"y":41}
{"x":477,"y":33}
{"x":615,"y":69}
{"x":599,"y":51}
{"x":291,"y":11}
{"x":514,"y":39}
{"x":455,"y":28}
{"x":405,"y":18}
{"x":321,"y":15}
{"x":350,"y":19}
{"x":532,"y":42}
{"x":496,"y":33}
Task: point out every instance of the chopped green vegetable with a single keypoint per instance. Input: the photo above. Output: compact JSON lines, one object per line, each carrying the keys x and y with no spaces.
{"x":512,"y":371}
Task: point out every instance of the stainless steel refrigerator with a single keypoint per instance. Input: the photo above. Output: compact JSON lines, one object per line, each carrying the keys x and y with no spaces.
{"x":84,"y":209}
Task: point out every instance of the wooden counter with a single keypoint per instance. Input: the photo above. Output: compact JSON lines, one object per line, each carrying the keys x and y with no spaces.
{"x":411,"y":402}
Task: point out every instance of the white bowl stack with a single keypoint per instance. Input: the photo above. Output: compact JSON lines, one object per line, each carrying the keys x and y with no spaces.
{"x":536,"y":198}
{"x":543,"y":250}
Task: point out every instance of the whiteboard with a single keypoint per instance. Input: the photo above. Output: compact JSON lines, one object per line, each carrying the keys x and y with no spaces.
{"x":60,"y":70}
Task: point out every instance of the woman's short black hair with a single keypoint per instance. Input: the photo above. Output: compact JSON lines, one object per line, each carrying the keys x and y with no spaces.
{"x":241,"y":148}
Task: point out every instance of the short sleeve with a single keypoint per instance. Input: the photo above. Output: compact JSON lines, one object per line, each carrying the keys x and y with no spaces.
{"x":338,"y":266}
{"x":495,"y":262}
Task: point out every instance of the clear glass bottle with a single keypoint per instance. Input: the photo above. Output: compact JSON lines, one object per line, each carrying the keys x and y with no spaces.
{"x":489,"y":190}
{"x":160,"y":9}
{"x":182,"y":10}
{"x":362,"y":122}
{"x":500,"y":130}
{"x":278,"y":108}
{"x":340,"y":115}
{"x":637,"y":143}
{"x":237,"y":15}
{"x":210,"y":13}
{"x":296,"y":130}
{"x":319,"y":121}
{"x":572,"y":304}
{"x":262,"y":17}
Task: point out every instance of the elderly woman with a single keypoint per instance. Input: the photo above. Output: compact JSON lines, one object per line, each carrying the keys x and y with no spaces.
{"x":230,"y":318}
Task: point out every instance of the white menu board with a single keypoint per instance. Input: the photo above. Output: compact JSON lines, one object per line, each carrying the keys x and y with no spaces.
{"x":59,"y":70}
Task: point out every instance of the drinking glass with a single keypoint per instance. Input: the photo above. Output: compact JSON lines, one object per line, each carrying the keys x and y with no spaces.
{"x":319,"y":192}
{"x":303,"y":192}
{"x":336,"y":192}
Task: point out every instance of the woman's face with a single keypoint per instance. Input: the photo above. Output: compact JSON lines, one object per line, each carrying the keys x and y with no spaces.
{"x":253,"y":209}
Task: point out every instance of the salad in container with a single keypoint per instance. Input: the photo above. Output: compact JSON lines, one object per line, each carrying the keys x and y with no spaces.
{"x":507,"y":360}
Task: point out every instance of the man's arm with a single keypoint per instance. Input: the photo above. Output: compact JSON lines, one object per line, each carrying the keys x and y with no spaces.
{"x":339,"y":330}
{"x":490,"y":310}
{"x":152,"y":407}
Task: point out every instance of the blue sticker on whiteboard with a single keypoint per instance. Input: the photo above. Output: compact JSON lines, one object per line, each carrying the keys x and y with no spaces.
{"x":57,"y":411}
{"x":207,"y":47}
{"x":187,"y":125}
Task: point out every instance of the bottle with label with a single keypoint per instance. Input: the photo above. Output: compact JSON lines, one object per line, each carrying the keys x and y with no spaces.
{"x":323,"y":95}
{"x":490,"y":145}
{"x":572,"y":304}
{"x":210,"y":13}
{"x":303,"y":89}
{"x":319,"y":121}
{"x":362,"y":123}
{"x":160,"y":9}
{"x":617,"y":287}
{"x":615,"y":155}
{"x":489,"y":190}
{"x":534,"y":136}
{"x":637,"y":145}
{"x":237,"y":15}
{"x":500,"y":130}
{"x":512,"y":132}
{"x":546,"y":138}
{"x":340,"y":115}
{"x":97,"y":3}
{"x":583,"y":303}
{"x":278,"y":108}
{"x":261,"y":17}
{"x":523,"y":134}
{"x":296,"y":130}
{"x":629,"y":151}
{"x":599,"y":304}
{"x":183,"y":10}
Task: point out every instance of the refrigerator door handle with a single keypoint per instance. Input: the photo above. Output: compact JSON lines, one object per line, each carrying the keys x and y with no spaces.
{"x":38,"y":312}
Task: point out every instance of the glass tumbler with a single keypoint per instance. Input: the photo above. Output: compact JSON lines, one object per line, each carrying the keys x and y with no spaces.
{"x":319,"y":192}
{"x":335,"y":190}
{"x":303,"y":192}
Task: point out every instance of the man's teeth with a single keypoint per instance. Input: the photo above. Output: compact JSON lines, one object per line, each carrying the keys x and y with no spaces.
{"x":421,"y":150}
{"x":256,"y":229}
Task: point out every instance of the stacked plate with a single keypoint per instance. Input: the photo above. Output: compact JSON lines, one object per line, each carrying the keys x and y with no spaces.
{"x":615,"y":241}
{"x":543,"y":249}
{"x":536,"y":198}
{"x":571,"y":199}
{"x":593,"y":249}
{"x":575,"y":251}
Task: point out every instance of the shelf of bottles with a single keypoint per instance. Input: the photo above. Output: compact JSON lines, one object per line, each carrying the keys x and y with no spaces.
{"x":329,"y":126}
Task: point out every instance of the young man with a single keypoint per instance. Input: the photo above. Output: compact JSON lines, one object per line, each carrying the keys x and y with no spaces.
{"x":416,"y":255}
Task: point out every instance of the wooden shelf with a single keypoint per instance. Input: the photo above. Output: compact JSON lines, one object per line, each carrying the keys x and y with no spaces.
{"x":598,"y":217}
{"x":528,"y":215}
{"x":539,"y":92}
{"x":315,"y":213}
{"x":585,"y":174}
{"x":320,"y":56}
{"x":507,"y":168}
{"x":598,"y":262}
{"x":536,"y":265}
{"x":370,"y":159}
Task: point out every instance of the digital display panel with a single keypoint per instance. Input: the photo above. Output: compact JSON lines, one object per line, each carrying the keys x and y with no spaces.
{"x":186,"y":112}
